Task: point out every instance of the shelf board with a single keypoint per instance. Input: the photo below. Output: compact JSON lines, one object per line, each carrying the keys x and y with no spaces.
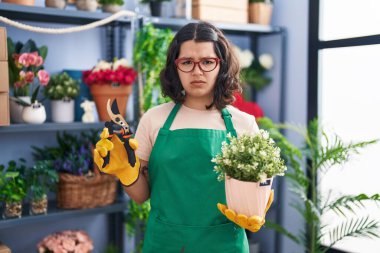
{"x":54,"y":214}
{"x":53,"y":15}
{"x":28,"y":128}
{"x":176,"y":23}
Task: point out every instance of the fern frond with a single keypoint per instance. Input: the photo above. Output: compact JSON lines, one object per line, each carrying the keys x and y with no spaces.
{"x":282,"y":230}
{"x":355,"y":227}
{"x":348,"y":202}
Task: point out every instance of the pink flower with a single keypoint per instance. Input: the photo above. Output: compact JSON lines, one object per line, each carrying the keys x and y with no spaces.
{"x":29,"y":77}
{"x":44,"y":77}
{"x":33,"y":58}
{"x":39,"y":61}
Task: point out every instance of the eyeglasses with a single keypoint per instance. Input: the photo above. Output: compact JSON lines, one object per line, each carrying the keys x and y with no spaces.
{"x":206,"y":64}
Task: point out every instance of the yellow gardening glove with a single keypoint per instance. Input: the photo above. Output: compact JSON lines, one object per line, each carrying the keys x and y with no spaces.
{"x":118,"y":163}
{"x":253,"y":223}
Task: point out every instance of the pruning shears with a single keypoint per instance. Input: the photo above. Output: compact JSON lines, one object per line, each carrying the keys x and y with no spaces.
{"x":119,"y":126}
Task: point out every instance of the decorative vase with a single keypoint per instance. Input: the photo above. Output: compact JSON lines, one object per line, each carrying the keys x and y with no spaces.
{"x":155,"y":8}
{"x":86,"y":5}
{"x":20,"y":2}
{"x":102,"y":92}
{"x":62,"y":111}
{"x":39,"y":206}
{"x":60,"y":4}
{"x":12,"y":210}
{"x":248,"y":198}
{"x":34,"y":114}
{"x":260,"y":13}
{"x":112,"y":8}
{"x":16,"y":109}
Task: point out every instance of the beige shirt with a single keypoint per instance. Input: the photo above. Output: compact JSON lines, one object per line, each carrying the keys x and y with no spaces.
{"x":154,"y":119}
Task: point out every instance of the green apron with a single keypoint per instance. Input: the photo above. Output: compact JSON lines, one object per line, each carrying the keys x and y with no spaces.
{"x":184,"y":193}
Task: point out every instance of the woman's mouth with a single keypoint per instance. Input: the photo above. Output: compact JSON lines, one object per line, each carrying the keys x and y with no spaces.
{"x":198,"y":82}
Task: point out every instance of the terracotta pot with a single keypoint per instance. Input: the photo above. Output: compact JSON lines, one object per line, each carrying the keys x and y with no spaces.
{"x":260,"y":13}
{"x":249,"y":198}
{"x":102,"y":92}
{"x":20,"y":2}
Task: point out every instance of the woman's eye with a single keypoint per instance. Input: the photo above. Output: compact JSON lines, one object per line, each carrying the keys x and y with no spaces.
{"x":187,"y":62}
{"x":207,"y":62}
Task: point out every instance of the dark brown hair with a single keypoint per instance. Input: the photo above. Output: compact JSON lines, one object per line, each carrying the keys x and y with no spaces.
{"x":227,"y":81}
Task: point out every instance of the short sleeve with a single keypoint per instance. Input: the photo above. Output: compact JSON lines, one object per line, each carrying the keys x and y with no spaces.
{"x":143,"y":138}
{"x":255,"y":127}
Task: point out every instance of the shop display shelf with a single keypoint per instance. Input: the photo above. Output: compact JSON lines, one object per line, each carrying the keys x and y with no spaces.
{"x":45,"y":127}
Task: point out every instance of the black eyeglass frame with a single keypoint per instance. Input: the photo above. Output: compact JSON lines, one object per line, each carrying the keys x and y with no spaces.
{"x":217,"y":60}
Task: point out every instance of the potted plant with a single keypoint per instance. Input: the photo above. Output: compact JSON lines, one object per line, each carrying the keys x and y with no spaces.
{"x":62,"y":90}
{"x":79,"y":185}
{"x":41,"y":178}
{"x":12,"y":188}
{"x":111,"y":6}
{"x":149,"y":56}
{"x":110,"y":80}
{"x":323,"y":152}
{"x":26,"y":76}
{"x":248,"y":164}
{"x":260,"y":11}
{"x":155,"y":6}
{"x":66,"y":241}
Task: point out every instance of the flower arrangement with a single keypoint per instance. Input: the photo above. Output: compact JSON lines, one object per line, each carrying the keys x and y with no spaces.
{"x":253,"y":69}
{"x":26,"y":72}
{"x":62,"y":86}
{"x":252,"y":158}
{"x":117,"y":72}
{"x":69,"y":241}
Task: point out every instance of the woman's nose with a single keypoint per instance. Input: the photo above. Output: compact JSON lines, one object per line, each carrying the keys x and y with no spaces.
{"x":197,"y":69}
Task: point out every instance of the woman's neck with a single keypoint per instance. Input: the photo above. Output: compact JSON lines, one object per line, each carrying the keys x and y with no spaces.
{"x":197,"y":103}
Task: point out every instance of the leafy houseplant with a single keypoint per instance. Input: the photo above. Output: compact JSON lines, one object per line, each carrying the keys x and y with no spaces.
{"x":13,"y":188}
{"x":248,"y":164}
{"x":41,"y":178}
{"x":135,"y":222}
{"x":111,"y":6}
{"x":110,"y":79}
{"x":322,"y":153}
{"x":62,"y":90}
{"x":149,"y":56}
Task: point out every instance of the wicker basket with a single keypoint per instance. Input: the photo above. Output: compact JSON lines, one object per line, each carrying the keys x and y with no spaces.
{"x":85,"y":191}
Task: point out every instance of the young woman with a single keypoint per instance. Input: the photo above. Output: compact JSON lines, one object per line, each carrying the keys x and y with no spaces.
{"x":177,"y":141}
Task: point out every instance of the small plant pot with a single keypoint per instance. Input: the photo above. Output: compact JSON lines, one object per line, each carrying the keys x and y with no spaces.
{"x":59,"y":4}
{"x":12,"y":210}
{"x":39,"y":206}
{"x":62,"y":111}
{"x":34,"y":114}
{"x":112,"y":8}
{"x":16,"y":109}
{"x":155,"y":8}
{"x":260,"y":13}
{"x":86,"y":5}
{"x":248,"y":198}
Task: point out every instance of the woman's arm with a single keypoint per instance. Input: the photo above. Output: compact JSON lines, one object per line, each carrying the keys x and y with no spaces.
{"x":139,"y":191}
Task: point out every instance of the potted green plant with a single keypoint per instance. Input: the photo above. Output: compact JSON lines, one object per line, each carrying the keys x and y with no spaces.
{"x":155,"y":6}
{"x":26,"y":76}
{"x":248,"y":164}
{"x":62,"y":90}
{"x":260,"y":11}
{"x":12,"y":188}
{"x":322,"y":152}
{"x":111,"y":6}
{"x":41,"y":178}
{"x":149,"y":56}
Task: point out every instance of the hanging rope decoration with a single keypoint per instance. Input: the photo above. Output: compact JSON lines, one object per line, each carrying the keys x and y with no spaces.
{"x":122,"y":13}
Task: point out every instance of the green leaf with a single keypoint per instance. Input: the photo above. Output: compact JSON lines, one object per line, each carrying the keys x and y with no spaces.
{"x":43,"y":51}
{"x":348,"y":202}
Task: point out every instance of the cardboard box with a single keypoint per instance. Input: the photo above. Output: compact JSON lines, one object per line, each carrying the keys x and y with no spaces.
{"x":4,"y":76}
{"x":4,"y":109}
{"x":3,"y":44}
{"x":233,"y":11}
{"x":210,"y":13}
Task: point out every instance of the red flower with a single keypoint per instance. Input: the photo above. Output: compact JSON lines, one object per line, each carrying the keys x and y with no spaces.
{"x":122,"y":75}
{"x":251,"y":108}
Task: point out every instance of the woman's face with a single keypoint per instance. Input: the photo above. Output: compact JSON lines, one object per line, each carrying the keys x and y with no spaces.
{"x":197,"y":83}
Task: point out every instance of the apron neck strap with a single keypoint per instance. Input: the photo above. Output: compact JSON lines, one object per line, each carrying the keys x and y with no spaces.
{"x":226,"y":115}
{"x":171,"y":116}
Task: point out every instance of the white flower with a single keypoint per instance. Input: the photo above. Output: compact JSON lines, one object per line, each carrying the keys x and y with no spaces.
{"x":102,"y":65}
{"x":121,"y":62}
{"x":263,"y":177}
{"x":266,"y":60}
{"x":245,"y":57}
